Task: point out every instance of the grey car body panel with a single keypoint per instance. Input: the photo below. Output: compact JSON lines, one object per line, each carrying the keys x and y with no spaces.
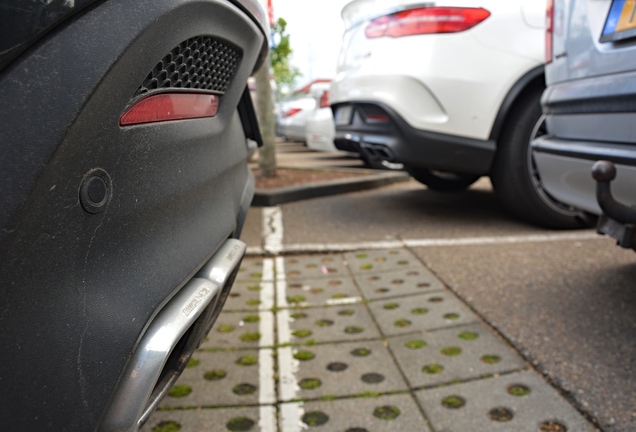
{"x":590,"y":105}
{"x":80,"y":289}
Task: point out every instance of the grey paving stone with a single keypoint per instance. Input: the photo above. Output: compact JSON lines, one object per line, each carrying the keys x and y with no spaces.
{"x":358,"y":414}
{"x":234,"y":330}
{"x":365,"y":367}
{"x":420,"y":312}
{"x":315,"y":266}
{"x":543,"y":404}
{"x":209,"y":420}
{"x":233,"y":380}
{"x":324,"y":291}
{"x":244,"y":296}
{"x":445,"y":356}
{"x":397,"y":283}
{"x":251,"y":269}
{"x":375,"y":261}
{"x":331,"y":324}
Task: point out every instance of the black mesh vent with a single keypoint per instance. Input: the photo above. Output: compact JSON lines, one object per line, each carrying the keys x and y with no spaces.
{"x":201,"y":63}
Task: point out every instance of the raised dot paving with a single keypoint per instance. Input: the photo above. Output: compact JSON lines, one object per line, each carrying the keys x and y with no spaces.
{"x":374,"y":261}
{"x":355,"y":357}
{"x":235,"y":330}
{"x":420,"y":312}
{"x":397,"y":283}
{"x":244,"y":296}
{"x":251,"y":269}
{"x":520,"y":402}
{"x":449,"y":355}
{"x":331,"y":324}
{"x":218,"y":419}
{"x":372,"y":414}
{"x":323,"y":291}
{"x":365,"y":366}
{"x":315,"y":266}
{"x":220,"y":379}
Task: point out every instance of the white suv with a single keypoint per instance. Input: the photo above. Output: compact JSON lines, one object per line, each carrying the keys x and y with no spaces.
{"x":452,"y":92}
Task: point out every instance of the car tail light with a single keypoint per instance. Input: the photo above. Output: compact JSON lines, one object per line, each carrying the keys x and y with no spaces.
{"x":170,"y":106}
{"x":549,"y":30}
{"x":324,"y":100}
{"x":379,"y":118}
{"x":291,"y":112}
{"x":426,"y":20}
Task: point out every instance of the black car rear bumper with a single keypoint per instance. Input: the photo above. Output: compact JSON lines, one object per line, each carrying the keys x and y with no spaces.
{"x":80,"y":288}
{"x":394,"y":140}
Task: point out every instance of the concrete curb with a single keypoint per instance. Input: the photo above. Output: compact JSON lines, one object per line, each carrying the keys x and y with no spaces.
{"x":272,"y":197}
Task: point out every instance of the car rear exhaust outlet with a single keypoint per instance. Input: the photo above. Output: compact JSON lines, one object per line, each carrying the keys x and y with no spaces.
{"x":170,"y":340}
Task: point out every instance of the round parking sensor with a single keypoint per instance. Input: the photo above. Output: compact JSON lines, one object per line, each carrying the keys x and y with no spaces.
{"x":95,"y":191}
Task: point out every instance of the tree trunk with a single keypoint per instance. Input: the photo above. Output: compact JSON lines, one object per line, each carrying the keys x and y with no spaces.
{"x":265,"y":109}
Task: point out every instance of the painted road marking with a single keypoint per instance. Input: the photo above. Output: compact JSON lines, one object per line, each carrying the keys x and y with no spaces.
{"x":267,"y":390}
{"x":272,"y":230}
{"x":288,"y":366}
{"x":396,"y":244}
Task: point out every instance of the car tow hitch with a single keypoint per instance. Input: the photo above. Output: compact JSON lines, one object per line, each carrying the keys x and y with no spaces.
{"x":618,"y":220}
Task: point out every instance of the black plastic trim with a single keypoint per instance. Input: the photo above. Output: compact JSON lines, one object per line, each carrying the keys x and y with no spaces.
{"x":614,"y":93}
{"x":415,"y":147}
{"x":592,"y":151}
{"x":249,"y":119}
{"x":511,"y":98}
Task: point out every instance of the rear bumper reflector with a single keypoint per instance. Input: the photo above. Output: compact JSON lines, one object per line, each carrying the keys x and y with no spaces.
{"x":170,"y":106}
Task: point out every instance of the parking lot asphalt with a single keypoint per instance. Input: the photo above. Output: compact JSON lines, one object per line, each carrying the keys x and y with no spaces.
{"x":336,"y":323}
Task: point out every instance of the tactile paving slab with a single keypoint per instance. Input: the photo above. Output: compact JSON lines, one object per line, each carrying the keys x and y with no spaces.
{"x":234,"y":330}
{"x":397,"y":283}
{"x":315,"y":266}
{"x":346,"y":369}
{"x":373,"y":414}
{"x":420,"y":312}
{"x":450,"y":355}
{"x":520,"y":402}
{"x":325,"y":291}
{"x":331,"y":324}
{"x":374,"y":261}
{"x":217,"y":379}
{"x":251,"y":269}
{"x":214,"y":420}
{"x":244,"y":296}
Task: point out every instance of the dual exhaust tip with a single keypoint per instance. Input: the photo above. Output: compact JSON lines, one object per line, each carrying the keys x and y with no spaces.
{"x":170,"y":341}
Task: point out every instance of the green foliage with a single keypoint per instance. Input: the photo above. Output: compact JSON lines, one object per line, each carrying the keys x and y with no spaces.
{"x":284,"y":73}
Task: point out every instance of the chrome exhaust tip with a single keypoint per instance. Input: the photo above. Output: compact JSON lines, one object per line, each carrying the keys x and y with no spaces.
{"x":170,"y":341}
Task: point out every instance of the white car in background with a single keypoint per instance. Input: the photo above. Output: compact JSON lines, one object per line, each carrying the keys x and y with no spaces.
{"x":321,"y":129}
{"x":452,"y":92}
{"x":294,"y":113}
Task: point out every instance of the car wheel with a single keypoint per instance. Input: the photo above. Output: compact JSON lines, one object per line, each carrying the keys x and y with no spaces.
{"x":515,"y":178}
{"x":442,"y":181}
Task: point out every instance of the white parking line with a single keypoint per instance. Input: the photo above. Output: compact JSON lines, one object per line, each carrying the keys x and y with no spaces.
{"x":272,"y":230}
{"x":267,"y":390}
{"x":287,"y":365}
{"x":462,"y":241}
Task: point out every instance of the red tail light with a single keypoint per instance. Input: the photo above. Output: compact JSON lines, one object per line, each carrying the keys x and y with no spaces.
{"x":324,"y":100}
{"x":426,"y":20}
{"x":170,"y":106}
{"x":291,"y":112}
{"x":549,"y":30}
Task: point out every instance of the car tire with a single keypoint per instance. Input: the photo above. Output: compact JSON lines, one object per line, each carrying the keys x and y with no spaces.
{"x":442,"y":181}
{"x":514,"y":176}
